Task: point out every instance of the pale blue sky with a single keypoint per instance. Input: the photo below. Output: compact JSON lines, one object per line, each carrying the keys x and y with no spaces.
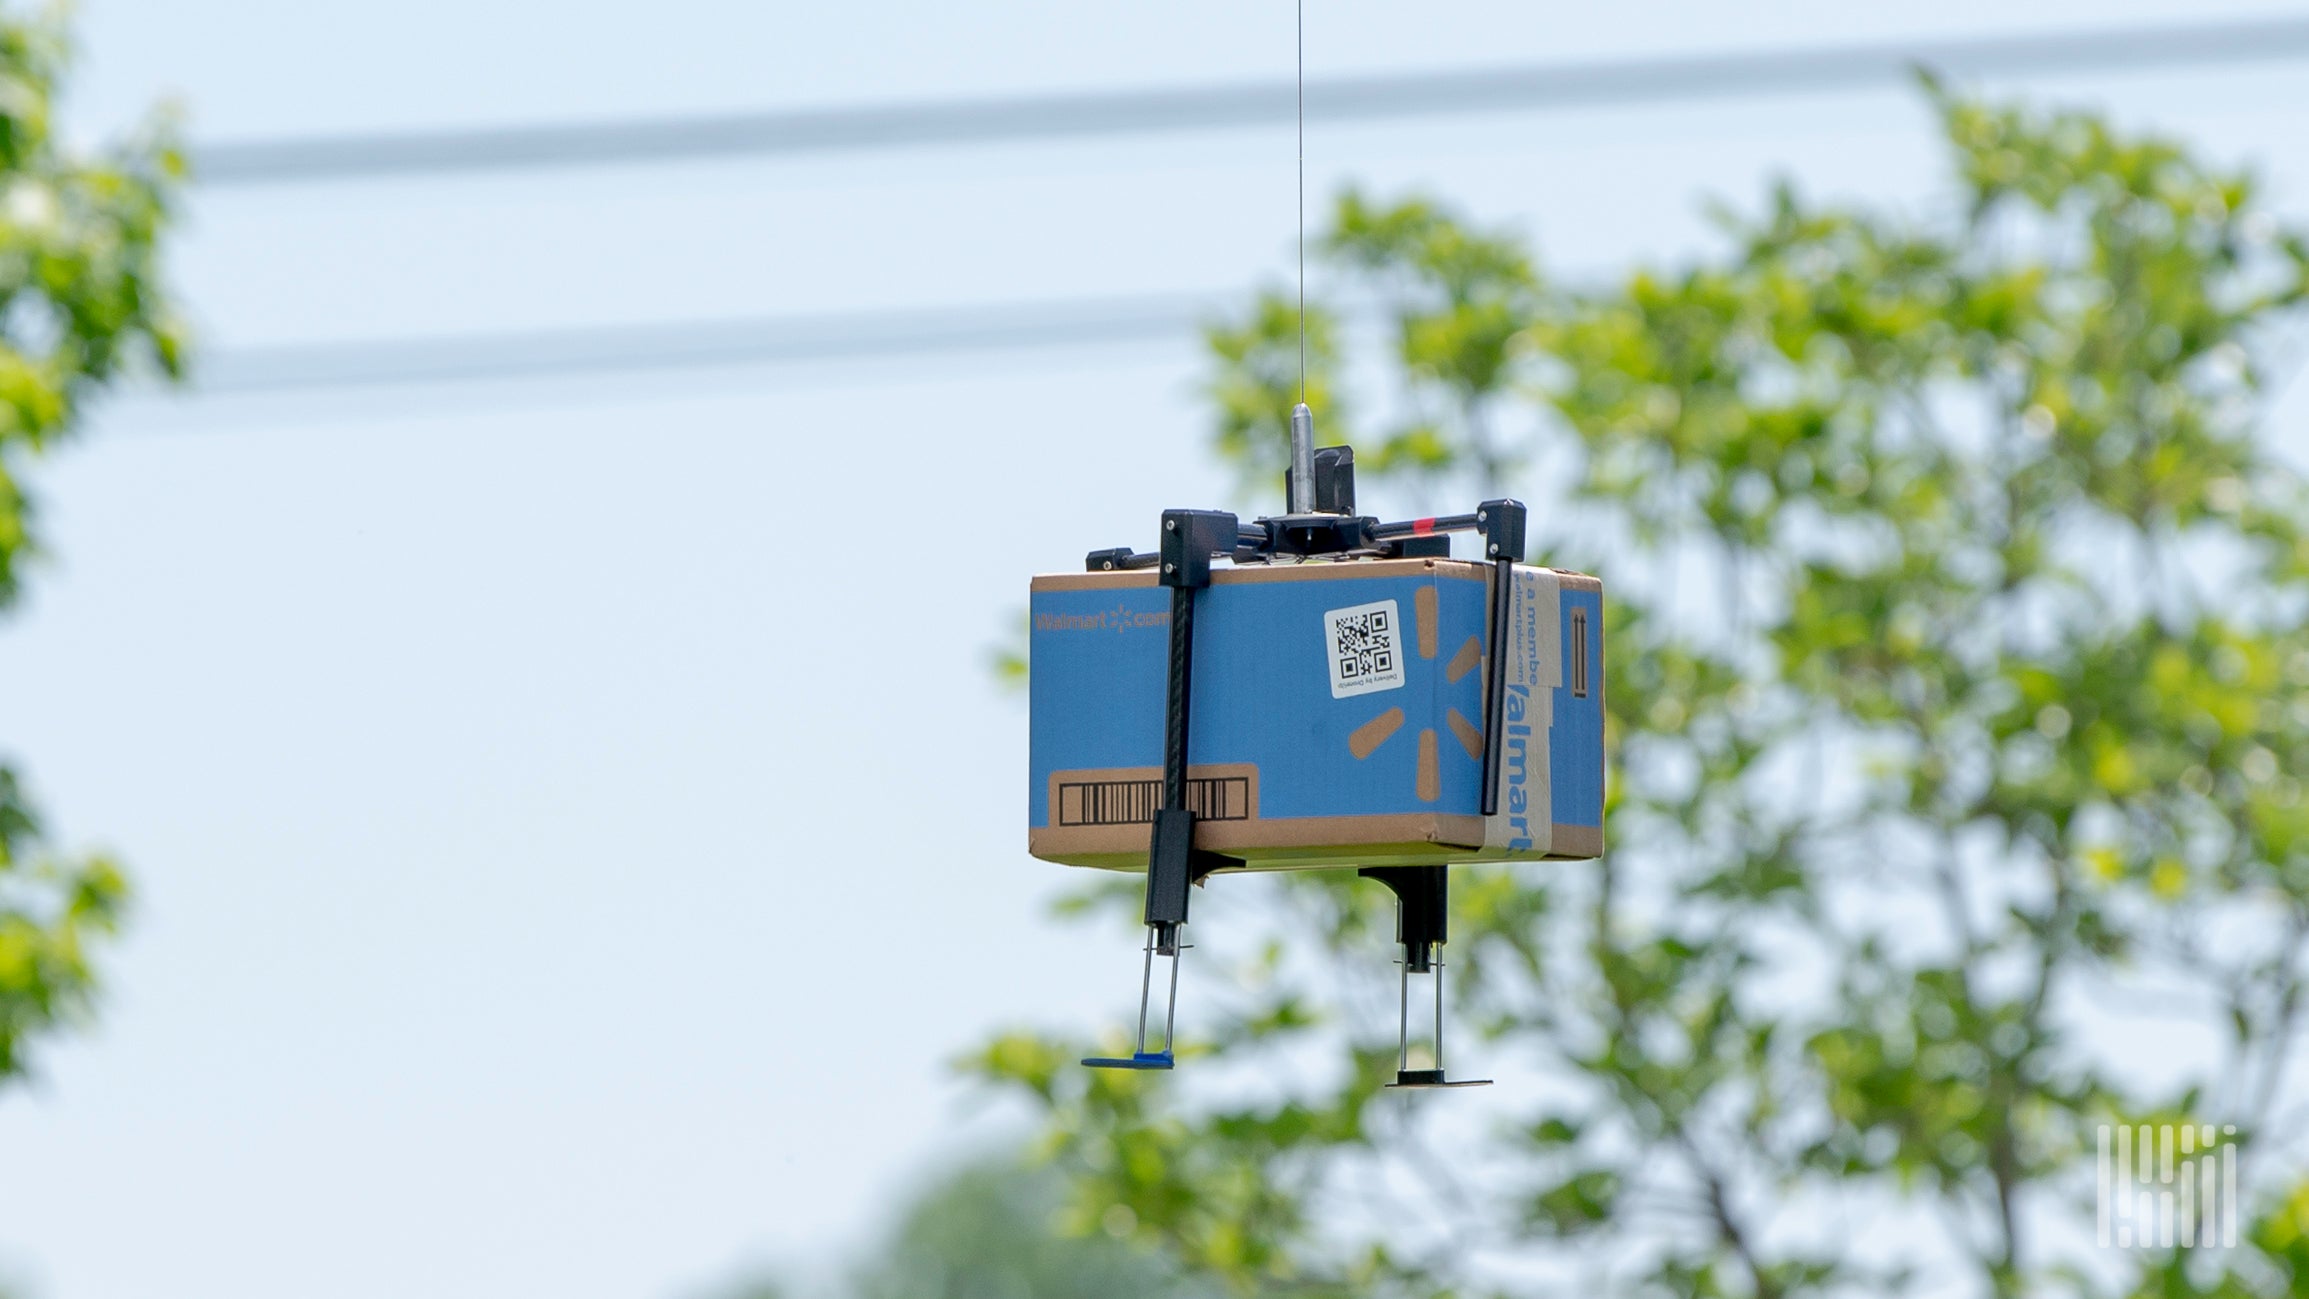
{"x":569,"y":853}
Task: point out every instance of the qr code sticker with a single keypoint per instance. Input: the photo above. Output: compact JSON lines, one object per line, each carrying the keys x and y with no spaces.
{"x":1366,"y":653}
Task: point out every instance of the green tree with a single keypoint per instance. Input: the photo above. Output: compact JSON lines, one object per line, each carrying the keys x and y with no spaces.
{"x":1958,"y":692}
{"x":999,"y":1229}
{"x":80,"y":303}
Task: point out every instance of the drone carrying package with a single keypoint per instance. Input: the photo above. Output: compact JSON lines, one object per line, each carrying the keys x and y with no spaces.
{"x":1336,"y":719}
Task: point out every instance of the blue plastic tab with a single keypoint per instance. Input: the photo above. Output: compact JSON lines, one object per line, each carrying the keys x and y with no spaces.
{"x":1143,"y":1060}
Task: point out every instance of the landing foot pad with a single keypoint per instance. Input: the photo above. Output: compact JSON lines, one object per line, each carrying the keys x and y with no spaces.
{"x":1143,"y":1060}
{"x":1423,"y":1079}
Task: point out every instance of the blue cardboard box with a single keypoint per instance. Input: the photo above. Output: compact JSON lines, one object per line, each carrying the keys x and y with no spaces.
{"x":1337,"y":715}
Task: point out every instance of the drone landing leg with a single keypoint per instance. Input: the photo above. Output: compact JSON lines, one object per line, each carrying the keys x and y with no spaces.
{"x":1422,"y":895}
{"x":1173,"y":865}
{"x":1190,"y":538}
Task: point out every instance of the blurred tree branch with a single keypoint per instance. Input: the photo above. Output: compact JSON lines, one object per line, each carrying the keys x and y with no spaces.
{"x":81,"y":303}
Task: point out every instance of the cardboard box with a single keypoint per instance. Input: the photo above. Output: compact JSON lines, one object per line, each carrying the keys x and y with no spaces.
{"x":1337,"y":715}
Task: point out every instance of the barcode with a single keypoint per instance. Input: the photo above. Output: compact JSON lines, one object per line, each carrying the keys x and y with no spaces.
{"x":1134,"y":802}
{"x":1364,"y":644}
{"x":1365,"y":651}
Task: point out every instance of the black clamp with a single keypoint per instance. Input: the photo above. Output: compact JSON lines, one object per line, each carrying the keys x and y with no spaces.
{"x":1501,"y":523}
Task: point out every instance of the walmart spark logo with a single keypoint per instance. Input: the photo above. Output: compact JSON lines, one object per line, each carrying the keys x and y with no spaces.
{"x":1365,"y":740}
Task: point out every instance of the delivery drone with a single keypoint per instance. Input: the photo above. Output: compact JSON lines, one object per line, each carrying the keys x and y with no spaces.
{"x":1340,"y":693}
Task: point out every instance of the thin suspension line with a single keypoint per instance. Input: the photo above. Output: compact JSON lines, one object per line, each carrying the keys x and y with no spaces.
{"x":1302,"y":202}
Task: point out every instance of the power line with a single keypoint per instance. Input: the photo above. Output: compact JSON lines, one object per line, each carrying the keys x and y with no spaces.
{"x":1030,"y":325}
{"x":691,"y":344}
{"x":1239,"y":105}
